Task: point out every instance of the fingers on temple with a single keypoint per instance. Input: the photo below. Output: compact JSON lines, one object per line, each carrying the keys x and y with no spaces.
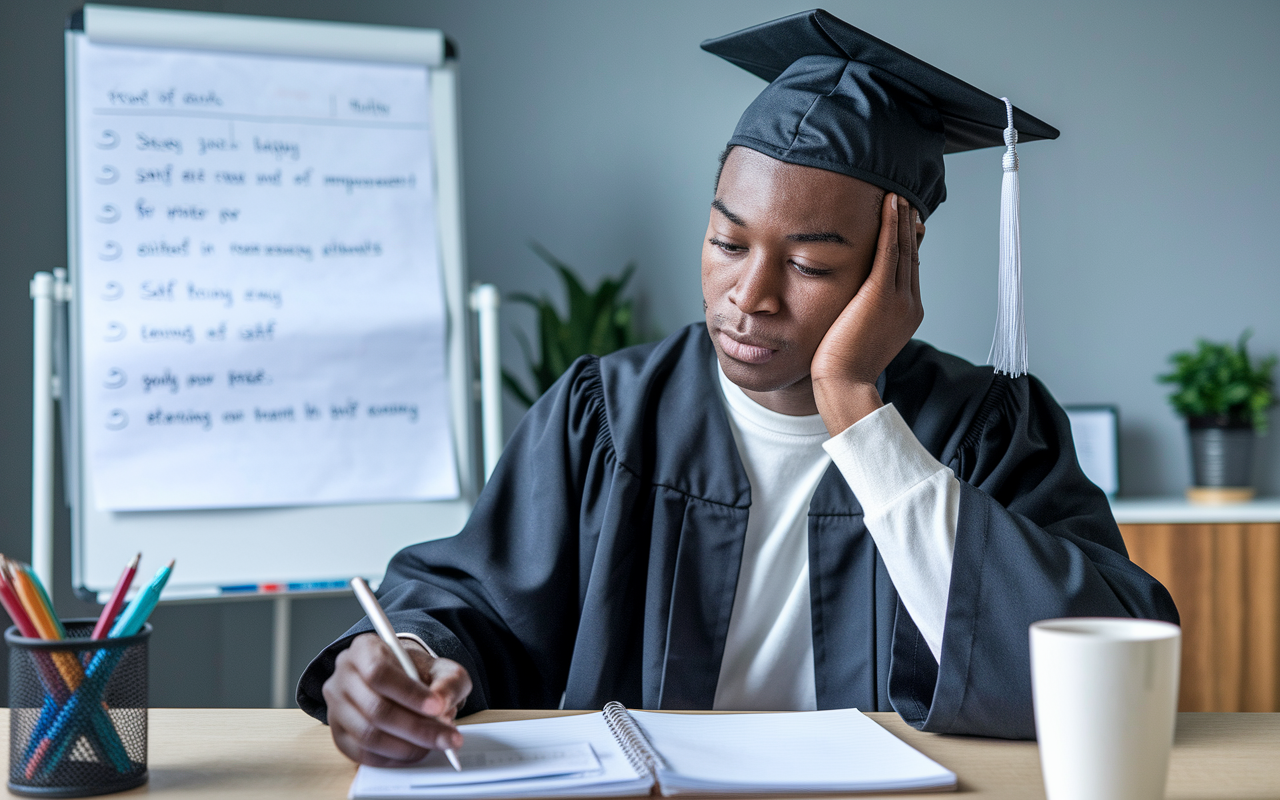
{"x":887,"y":246}
{"x":916,"y":233}
{"x":906,"y":243}
{"x":915,"y":271}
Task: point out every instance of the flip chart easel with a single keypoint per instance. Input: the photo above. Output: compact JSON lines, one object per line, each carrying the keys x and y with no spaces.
{"x":297,"y":548}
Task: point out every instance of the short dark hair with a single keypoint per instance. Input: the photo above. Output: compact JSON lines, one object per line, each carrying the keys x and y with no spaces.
{"x":724,"y":156}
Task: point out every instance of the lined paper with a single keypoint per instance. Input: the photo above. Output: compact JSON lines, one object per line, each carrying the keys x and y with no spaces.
{"x":813,"y":751}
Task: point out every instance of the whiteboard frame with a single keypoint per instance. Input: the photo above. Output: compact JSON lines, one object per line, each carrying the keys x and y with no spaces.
{"x":365,"y":535}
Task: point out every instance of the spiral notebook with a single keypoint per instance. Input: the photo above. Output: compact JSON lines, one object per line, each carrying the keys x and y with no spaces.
{"x":621,"y":753}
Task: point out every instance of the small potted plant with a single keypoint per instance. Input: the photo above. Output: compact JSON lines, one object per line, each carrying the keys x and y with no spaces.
{"x":1224,"y":396}
{"x":598,"y":323}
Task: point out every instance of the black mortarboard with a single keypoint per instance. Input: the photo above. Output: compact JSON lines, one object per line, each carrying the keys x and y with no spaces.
{"x":842,"y":100}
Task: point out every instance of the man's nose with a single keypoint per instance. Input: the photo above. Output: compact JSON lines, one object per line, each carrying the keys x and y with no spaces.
{"x":759,"y":285}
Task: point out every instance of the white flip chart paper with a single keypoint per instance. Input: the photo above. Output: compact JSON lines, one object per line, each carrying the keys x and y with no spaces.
{"x":260,"y":297}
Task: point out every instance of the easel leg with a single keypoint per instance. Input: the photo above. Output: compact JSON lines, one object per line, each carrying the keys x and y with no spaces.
{"x":42,"y":292}
{"x":485,"y":301}
{"x":280,"y":652}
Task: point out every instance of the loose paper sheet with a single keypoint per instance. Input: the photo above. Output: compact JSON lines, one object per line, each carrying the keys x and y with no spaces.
{"x":559,"y":756}
{"x":490,"y":768}
{"x":260,"y":300}
{"x":507,"y":764}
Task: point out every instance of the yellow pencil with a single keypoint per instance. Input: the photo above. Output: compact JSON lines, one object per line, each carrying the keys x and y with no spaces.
{"x":41,"y":617}
{"x":44,"y":599}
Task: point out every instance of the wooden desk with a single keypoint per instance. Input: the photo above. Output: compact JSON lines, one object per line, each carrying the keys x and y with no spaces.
{"x":253,"y":753}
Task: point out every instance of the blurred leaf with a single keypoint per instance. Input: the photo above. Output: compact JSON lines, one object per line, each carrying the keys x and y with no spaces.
{"x":597,"y":323}
{"x":513,"y":386}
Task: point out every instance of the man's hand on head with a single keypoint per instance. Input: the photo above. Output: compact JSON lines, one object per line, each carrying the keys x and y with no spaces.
{"x":875,"y":325}
{"x":380,"y":716}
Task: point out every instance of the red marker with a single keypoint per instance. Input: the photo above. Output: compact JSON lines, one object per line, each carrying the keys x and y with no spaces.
{"x":117,"y":600}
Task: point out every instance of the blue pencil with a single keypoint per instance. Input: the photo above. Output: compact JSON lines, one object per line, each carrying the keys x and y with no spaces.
{"x":66,"y":727}
{"x":107,"y":744}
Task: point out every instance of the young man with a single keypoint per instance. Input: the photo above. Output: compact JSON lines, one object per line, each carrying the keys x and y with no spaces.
{"x":791,"y":506}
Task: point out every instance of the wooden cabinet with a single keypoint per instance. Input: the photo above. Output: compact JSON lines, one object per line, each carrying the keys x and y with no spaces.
{"x":1225,"y":578}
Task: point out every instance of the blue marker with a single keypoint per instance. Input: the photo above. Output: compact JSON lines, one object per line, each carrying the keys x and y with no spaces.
{"x":314,"y":586}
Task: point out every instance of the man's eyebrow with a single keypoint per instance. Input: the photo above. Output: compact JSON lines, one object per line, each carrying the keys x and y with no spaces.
{"x":828,"y":236}
{"x":824,"y":236}
{"x":719,"y":205}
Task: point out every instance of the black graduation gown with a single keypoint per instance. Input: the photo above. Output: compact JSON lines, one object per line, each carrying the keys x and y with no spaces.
{"x":601,"y":559}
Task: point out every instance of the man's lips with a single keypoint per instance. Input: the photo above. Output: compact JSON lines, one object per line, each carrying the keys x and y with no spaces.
{"x":747,"y":352}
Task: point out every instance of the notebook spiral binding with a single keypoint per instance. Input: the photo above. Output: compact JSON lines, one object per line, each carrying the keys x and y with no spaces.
{"x":631,"y":739}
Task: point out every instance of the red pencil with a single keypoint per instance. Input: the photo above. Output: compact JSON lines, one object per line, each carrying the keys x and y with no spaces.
{"x":117,"y":600}
{"x":52,"y":679}
{"x":9,"y":598}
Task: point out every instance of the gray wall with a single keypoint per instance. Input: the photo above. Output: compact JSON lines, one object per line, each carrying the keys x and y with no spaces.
{"x":593,"y":128}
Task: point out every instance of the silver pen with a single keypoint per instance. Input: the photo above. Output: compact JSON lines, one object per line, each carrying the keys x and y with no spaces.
{"x":388,"y":635}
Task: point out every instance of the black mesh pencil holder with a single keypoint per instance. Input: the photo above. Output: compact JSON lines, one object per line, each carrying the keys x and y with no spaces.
{"x":77,"y":713}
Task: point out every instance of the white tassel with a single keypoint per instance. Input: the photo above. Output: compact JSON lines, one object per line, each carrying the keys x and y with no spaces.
{"x":1009,"y":347}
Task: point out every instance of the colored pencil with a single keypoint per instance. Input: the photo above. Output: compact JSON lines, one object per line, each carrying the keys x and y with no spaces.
{"x":54,"y":669}
{"x":13,"y":606}
{"x":44,"y":599}
{"x":135,"y":615}
{"x":41,"y":618}
{"x":114,"y":604}
{"x":53,"y":682}
{"x":50,"y":678}
{"x":65,"y":728}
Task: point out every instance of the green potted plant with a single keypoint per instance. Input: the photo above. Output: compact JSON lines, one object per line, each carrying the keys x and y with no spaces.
{"x":1224,"y":396}
{"x":597,"y":323}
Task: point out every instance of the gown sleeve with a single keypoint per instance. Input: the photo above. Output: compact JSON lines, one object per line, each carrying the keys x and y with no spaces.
{"x":1035,"y":539}
{"x":501,"y":597}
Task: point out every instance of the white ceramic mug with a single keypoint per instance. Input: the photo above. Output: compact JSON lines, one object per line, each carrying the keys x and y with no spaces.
{"x":1106,"y":697}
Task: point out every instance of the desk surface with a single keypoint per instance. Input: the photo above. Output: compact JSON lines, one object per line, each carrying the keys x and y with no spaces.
{"x":232,"y":753}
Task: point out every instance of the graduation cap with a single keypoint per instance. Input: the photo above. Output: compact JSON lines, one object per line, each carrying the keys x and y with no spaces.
{"x":842,"y":100}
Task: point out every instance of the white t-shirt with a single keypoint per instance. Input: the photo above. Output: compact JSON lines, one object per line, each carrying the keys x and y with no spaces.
{"x":910,"y":506}
{"x":768,"y":655}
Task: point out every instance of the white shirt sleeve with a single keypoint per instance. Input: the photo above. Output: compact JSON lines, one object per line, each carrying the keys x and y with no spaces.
{"x":911,"y":507}
{"x":413,"y":637}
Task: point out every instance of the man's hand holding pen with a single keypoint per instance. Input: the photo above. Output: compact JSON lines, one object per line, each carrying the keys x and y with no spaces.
{"x":380,"y":716}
